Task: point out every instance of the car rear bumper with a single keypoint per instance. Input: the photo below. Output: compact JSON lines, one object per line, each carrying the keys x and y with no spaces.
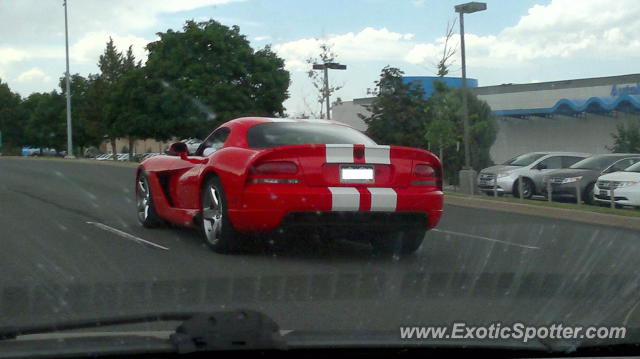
{"x":567,"y":189}
{"x":265,"y":208}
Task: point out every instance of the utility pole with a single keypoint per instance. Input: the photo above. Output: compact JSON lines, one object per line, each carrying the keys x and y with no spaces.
{"x":69,"y":132}
{"x":326,"y":94}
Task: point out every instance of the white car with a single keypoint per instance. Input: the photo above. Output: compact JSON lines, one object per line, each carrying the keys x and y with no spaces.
{"x":625,"y":185}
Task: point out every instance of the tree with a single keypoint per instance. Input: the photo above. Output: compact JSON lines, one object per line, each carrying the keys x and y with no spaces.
{"x":447,"y":51}
{"x":12,"y":118}
{"x":85,"y":132}
{"x":317,"y":77}
{"x":45,"y":125}
{"x":215,"y":68}
{"x":398,"y":115}
{"x":627,"y":138}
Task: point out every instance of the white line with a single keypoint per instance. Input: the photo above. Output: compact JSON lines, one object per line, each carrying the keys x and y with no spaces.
{"x":339,"y":153}
{"x":344,"y":198}
{"x":485,"y":238}
{"x":377,"y":154}
{"x":383,"y":199}
{"x":127,"y":235}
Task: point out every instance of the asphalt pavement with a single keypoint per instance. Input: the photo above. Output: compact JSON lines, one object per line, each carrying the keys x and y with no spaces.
{"x":69,"y":249}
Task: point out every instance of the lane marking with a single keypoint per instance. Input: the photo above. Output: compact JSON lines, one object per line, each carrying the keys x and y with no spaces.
{"x":344,"y":198}
{"x":383,"y":199}
{"x":377,"y":154}
{"x":484,"y":238}
{"x":126,"y":235}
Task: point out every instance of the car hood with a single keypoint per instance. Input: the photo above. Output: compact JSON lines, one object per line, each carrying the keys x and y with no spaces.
{"x":571,"y":172}
{"x":500,"y":168}
{"x":620,"y":176}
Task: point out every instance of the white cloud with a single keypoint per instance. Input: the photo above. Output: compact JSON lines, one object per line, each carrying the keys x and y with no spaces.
{"x":262,"y":38}
{"x":34,"y":74}
{"x":369,"y":44}
{"x":91,"y":46}
{"x":9,"y":55}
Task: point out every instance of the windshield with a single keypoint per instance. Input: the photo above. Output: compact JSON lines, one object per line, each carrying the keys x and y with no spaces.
{"x":524,"y":160}
{"x":596,"y":163}
{"x":634,"y":168}
{"x":280,"y":134}
{"x":335,"y":165}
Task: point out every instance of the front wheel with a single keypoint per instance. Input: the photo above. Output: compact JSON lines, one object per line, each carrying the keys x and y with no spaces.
{"x":527,"y":189}
{"x":397,"y":243}
{"x":147,"y":215}
{"x":216,"y":228}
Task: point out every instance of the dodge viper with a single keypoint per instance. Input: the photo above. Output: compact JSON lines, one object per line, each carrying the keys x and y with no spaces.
{"x":254,"y":176}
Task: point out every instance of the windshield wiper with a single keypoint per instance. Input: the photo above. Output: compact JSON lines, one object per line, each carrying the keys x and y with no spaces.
{"x":199,"y":331}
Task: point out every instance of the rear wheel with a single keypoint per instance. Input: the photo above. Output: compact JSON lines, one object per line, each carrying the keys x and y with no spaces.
{"x":216,"y":227}
{"x":147,"y":215}
{"x":397,"y":243}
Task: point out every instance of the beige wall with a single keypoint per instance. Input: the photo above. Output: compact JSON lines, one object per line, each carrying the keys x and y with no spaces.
{"x":140,"y":146}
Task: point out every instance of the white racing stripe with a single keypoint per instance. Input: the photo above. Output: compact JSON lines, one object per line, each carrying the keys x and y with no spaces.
{"x":344,"y":199}
{"x":339,"y":153}
{"x":484,"y":238}
{"x":127,"y":235}
{"x":377,"y":154}
{"x":383,"y":199}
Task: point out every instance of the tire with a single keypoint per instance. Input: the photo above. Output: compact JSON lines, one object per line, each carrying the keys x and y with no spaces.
{"x":397,"y":243}
{"x":528,"y":189}
{"x":588,"y":194}
{"x":147,"y":215}
{"x":216,"y":228}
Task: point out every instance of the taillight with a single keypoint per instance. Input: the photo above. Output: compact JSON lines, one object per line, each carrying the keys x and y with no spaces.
{"x":427,"y":175}
{"x":274,"y":172}
{"x":424,"y":171}
{"x":275,"y":168}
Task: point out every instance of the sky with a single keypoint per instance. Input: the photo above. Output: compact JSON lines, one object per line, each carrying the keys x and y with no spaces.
{"x":512,"y":41}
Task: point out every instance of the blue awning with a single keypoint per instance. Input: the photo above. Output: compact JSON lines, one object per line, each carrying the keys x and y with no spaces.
{"x":624,"y":103}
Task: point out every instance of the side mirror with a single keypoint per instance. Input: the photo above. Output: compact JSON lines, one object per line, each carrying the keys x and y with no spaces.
{"x":541,"y":166}
{"x":179,"y":148}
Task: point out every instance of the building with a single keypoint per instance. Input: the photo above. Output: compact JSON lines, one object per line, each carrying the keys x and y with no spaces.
{"x":572,"y":115}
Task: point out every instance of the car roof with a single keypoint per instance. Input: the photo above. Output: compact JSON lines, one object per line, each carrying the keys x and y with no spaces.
{"x":555,"y":153}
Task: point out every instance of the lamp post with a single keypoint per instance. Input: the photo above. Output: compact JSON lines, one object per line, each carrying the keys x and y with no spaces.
{"x":326,"y":66}
{"x":69,"y":133}
{"x":467,"y":175}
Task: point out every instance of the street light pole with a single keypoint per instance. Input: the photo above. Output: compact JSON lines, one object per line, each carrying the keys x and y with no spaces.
{"x":467,"y":175}
{"x":326,"y":66}
{"x":465,"y":108}
{"x":69,"y":132}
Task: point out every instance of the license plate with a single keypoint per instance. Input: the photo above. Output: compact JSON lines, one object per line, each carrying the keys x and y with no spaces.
{"x":356,"y":174}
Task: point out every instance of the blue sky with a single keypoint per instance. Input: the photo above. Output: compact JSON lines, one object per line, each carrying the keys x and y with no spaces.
{"x":513,"y":41}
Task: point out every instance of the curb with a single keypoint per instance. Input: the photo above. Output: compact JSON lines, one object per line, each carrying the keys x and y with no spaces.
{"x":611,"y":220}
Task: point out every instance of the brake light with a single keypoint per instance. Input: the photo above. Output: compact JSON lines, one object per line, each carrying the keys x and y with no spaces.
{"x":275,"y":168}
{"x":427,"y":175}
{"x":424,"y":171}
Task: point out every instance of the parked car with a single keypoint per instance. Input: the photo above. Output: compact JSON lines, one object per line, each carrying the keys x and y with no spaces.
{"x":584,"y":174}
{"x":625,"y":185}
{"x":531,"y":166}
{"x":29,"y":151}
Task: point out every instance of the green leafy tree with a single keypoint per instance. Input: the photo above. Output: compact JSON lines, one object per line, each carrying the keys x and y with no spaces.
{"x":84,"y":127}
{"x":215,"y":68}
{"x":627,"y":138}
{"x":12,"y":118}
{"x":398,"y":115}
{"x":45,"y":126}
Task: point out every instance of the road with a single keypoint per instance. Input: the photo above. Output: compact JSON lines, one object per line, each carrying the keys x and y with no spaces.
{"x":479,"y":266}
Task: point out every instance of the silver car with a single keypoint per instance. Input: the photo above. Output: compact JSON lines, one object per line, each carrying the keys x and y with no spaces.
{"x":533,"y":167}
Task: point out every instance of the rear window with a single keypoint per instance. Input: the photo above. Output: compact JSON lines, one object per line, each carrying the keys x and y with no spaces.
{"x":268,"y":135}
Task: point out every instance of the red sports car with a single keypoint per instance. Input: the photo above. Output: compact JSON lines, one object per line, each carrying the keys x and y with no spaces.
{"x":265,"y":175}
